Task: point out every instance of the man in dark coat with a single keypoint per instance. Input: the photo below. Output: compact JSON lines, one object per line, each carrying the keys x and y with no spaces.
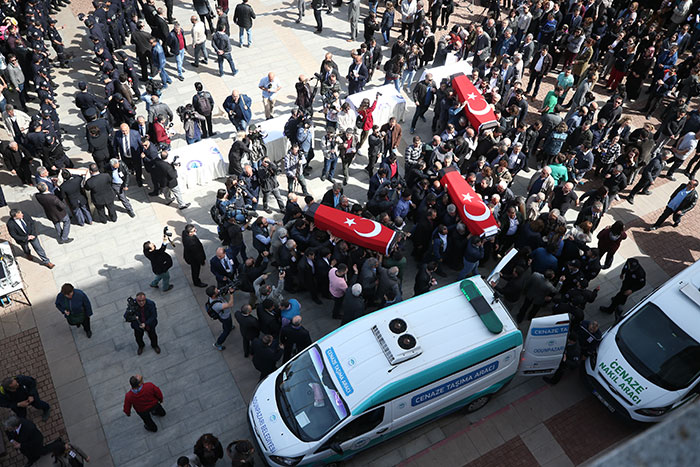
{"x":243,"y":16}
{"x":634,"y":278}
{"x":18,"y":161}
{"x":145,"y":323}
{"x":142,"y":40}
{"x":249,"y":327}
{"x":56,"y":211}
{"x":353,"y":304}
{"x":24,"y":435}
{"x":424,"y":278}
{"x":72,"y":193}
{"x":15,"y":394}
{"x":22,"y":229}
{"x":202,"y":9}
{"x":650,"y":172}
{"x":100,"y":187}
{"x":295,"y":338}
{"x":682,"y":200}
{"x":193,"y":253}
{"x":266,"y":353}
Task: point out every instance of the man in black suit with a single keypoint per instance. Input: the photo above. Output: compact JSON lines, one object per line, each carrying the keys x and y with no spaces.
{"x":149,"y":157}
{"x":127,"y":146}
{"x":100,"y":187}
{"x":72,"y":193}
{"x":142,"y":40}
{"x":56,"y":211}
{"x":424,"y":278}
{"x":25,"y":436}
{"x":357,"y":75}
{"x":23,"y":230}
{"x":164,"y":177}
{"x":193,"y":253}
{"x":249,"y":327}
{"x":223,"y":267}
{"x":266,"y":352}
{"x":295,"y":338}
{"x":17,"y":161}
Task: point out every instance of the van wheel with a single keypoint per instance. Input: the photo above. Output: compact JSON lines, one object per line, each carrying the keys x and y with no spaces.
{"x":476,"y":404}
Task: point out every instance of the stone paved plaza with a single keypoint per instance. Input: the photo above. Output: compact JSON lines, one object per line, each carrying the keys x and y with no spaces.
{"x":206,"y":390}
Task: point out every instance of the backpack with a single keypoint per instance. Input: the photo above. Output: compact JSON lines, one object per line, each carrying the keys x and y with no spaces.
{"x":209,"y":306}
{"x":290,"y":129}
{"x":216,"y":215}
{"x":203,"y":104}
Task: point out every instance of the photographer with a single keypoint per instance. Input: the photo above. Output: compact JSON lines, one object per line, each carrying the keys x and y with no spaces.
{"x":191,"y":122}
{"x":258,"y":150}
{"x":238,"y":108}
{"x":304,"y":98}
{"x":193,"y":253}
{"x":204,"y":104}
{"x":267,"y":176}
{"x":144,"y":319}
{"x":164,"y":175}
{"x":161,"y":262}
{"x":293,"y":166}
{"x":239,"y":148}
{"x":222,"y":308}
{"x":329,"y":143}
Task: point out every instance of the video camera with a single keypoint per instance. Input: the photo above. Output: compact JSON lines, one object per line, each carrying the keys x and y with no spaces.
{"x":132,"y":310}
{"x":230,"y":286}
{"x":167,"y":232}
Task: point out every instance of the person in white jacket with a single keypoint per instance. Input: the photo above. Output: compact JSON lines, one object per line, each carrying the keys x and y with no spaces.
{"x":199,"y":41}
{"x":408,"y":12}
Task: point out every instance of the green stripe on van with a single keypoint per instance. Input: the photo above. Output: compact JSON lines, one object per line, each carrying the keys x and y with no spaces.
{"x":430,"y":375}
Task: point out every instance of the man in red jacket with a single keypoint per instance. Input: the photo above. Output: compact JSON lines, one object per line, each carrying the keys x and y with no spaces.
{"x":146,"y":399}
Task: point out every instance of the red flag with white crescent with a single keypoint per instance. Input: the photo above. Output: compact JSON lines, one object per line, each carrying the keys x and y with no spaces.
{"x":361,"y":231}
{"x":477,"y":110}
{"x":476,"y":215}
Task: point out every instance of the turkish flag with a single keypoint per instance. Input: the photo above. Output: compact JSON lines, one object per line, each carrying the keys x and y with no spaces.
{"x":475,"y":214}
{"x":354,"y":229}
{"x":477,"y":110}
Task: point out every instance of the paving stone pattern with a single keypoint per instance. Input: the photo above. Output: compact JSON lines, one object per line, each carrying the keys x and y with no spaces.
{"x":23,"y":353}
{"x":513,"y":453}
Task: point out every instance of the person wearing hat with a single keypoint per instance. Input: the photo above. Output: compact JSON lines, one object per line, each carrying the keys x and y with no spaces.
{"x":85,"y":100}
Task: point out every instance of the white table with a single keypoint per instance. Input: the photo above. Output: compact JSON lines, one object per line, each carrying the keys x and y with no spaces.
{"x":446,"y":71}
{"x":390,"y":104}
{"x":200,"y":163}
{"x":275,"y":140}
{"x":10,"y":277}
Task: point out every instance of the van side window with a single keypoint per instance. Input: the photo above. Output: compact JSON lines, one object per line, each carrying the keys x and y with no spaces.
{"x":361,"y":425}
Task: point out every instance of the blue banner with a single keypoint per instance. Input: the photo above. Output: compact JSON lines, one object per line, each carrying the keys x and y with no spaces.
{"x":454,"y":384}
{"x":339,"y":372}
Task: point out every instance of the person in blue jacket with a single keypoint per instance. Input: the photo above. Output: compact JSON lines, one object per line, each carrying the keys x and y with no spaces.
{"x":158,"y":59}
{"x":238,"y":108}
{"x":75,"y":307}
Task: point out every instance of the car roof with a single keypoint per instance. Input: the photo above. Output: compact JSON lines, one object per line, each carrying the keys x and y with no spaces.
{"x":447,"y":329}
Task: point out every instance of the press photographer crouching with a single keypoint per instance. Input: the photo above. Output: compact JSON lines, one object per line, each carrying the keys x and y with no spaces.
{"x":192,"y":122}
{"x":219,"y":307}
{"x":164,"y":176}
{"x":143,"y":317}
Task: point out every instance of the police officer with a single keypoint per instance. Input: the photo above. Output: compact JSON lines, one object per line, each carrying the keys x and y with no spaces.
{"x":85,"y":100}
{"x":98,"y":135}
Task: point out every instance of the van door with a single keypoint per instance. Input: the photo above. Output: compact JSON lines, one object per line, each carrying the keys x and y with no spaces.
{"x":354,"y":435}
{"x":495,"y":275}
{"x":544,"y":345}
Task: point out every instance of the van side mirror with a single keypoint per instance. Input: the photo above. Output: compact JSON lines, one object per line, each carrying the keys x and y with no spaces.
{"x":336,"y":448}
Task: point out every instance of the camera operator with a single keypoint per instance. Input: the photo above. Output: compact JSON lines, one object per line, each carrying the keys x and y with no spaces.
{"x":304,"y":95}
{"x":145,"y":322}
{"x":222,"y":307}
{"x":239,"y":148}
{"x":258,"y":150}
{"x":191,"y":122}
{"x":293,"y":166}
{"x":161,"y":262}
{"x":164,"y":175}
{"x":267,"y":175}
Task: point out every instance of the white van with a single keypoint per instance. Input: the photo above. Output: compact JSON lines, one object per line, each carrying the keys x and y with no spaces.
{"x":648,"y":364}
{"x":395,"y":369}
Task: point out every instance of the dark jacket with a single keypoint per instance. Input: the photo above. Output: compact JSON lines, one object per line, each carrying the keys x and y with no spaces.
{"x":27,"y":387}
{"x":244,"y":15}
{"x":164,"y":173}
{"x":147,"y":315}
{"x":688,"y":203}
{"x":193,"y":249}
{"x":248,"y":325}
{"x":546,"y":63}
{"x":79,"y":301}
{"x":54,"y":208}
{"x":160,"y":260}
{"x":328,"y":198}
{"x":100,"y":187}
{"x":423,"y":279}
{"x":29,"y":437}
{"x":265,"y":357}
{"x":295,"y":339}
{"x":72,"y":192}
{"x":19,"y":235}
{"x":353,"y":307}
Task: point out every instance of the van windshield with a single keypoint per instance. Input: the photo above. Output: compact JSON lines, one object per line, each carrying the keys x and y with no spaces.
{"x":658,"y":349}
{"x":307,"y":398}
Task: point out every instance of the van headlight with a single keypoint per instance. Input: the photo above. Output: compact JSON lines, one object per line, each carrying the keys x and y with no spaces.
{"x":654,"y":412}
{"x":286,"y":460}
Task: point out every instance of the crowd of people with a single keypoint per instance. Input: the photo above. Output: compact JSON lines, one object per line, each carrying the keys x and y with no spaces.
{"x":642,"y":59}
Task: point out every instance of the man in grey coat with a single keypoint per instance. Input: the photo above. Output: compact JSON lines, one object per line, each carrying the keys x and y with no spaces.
{"x":354,"y":18}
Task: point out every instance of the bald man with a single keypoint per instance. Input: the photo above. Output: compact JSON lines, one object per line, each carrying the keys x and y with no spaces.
{"x":269,"y":86}
{"x":128,"y":147}
{"x":294,"y":337}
